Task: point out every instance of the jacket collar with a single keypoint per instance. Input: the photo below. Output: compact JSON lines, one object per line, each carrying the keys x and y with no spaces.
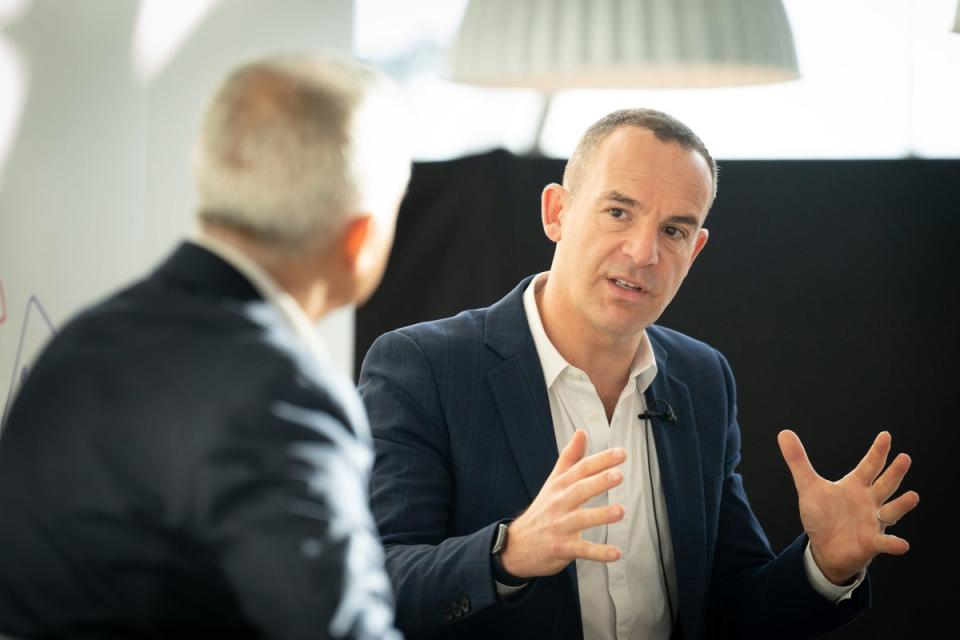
{"x":198,"y":269}
{"x":506,"y":331}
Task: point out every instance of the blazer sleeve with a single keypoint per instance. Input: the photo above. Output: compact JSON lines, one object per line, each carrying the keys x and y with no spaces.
{"x":281,"y":501}
{"x":754,"y":594}
{"x":439,"y":580}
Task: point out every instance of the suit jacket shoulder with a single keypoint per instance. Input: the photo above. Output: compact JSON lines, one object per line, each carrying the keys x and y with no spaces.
{"x":179,"y":429}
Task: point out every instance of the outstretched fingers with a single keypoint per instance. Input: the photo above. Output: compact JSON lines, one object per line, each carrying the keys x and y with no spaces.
{"x":571,"y":454}
{"x":546,"y":536}
{"x":892,"y":545}
{"x":592,"y":466}
{"x":583,"y":550}
{"x":891,"y":512}
{"x":581,"y":519}
{"x":586,"y":488}
{"x":889,"y":481}
{"x":876,"y":458}
{"x":797,"y":461}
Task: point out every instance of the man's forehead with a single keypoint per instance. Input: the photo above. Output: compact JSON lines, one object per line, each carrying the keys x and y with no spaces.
{"x":632,"y":159}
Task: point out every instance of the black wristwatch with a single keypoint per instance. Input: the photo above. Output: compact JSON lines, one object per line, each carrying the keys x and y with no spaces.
{"x":499,"y":573}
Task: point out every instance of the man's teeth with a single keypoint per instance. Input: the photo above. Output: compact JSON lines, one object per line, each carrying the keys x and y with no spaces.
{"x":626,"y":285}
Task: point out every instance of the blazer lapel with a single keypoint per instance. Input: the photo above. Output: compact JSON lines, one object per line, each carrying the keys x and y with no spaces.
{"x":519,"y":390}
{"x":520,"y":394}
{"x":521,"y":397}
{"x":681,"y":476}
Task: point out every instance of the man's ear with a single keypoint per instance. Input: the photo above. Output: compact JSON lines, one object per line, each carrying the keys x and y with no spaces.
{"x":354,"y":239}
{"x":553,"y":201}
{"x":702,"y":236}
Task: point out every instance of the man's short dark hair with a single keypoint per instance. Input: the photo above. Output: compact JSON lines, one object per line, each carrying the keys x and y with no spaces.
{"x":665,"y":127}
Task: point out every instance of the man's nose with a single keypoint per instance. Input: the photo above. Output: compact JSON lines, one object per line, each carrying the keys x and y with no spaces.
{"x":642,"y":246}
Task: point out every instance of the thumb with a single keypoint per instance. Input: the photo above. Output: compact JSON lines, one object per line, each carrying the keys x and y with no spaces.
{"x":571,"y":454}
{"x":797,"y":461}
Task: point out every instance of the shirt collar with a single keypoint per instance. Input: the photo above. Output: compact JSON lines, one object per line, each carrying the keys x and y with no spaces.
{"x":643,"y":369}
{"x":267,"y":287}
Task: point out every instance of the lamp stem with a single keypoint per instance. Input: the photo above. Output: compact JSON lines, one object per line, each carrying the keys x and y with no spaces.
{"x":535,"y":149}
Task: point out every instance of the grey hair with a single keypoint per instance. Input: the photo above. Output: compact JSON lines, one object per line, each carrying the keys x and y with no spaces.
{"x":664,"y":126}
{"x":279,"y":155}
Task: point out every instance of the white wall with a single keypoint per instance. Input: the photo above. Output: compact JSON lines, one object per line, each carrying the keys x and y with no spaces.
{"x":96,"y":187}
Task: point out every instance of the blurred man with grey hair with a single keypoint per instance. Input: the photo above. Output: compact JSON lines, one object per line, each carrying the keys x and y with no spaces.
{"x":184,"y":459}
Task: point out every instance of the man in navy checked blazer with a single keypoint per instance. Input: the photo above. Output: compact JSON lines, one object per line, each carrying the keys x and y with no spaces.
{"x":561,"y":425}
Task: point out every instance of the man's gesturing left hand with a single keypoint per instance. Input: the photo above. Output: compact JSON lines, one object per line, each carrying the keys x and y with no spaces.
{"x":843,"y":518}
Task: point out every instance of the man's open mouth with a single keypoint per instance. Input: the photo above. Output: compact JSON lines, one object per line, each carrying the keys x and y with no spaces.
{"x":626,"y":284}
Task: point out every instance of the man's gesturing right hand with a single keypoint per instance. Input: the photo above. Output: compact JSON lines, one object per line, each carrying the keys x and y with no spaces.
{"x":546,"y":537}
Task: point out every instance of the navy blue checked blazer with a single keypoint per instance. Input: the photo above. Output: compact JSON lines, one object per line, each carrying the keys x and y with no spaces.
{"x":464,"y":439}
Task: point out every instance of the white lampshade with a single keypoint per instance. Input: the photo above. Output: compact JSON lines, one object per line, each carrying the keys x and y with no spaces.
{"x":567,"y":44}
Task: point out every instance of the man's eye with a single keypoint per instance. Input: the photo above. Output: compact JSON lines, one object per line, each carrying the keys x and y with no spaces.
{"x":675,"y":232}
{"x":617,"y":213}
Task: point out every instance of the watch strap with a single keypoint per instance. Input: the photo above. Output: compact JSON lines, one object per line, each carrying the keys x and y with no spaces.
{"x":500,"y":574}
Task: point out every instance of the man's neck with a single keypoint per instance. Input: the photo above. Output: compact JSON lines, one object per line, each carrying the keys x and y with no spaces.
{"x":311,"y":294}
{"x":297,"y":277}
{"x":605,"y":359}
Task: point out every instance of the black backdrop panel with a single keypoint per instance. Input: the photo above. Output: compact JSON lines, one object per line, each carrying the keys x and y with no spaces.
{"x":831,"y":286}
{"x":468,"y":231}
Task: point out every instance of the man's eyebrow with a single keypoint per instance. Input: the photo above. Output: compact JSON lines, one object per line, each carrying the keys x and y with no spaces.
{"x":693,"y":221}
{"x":616,"y":196}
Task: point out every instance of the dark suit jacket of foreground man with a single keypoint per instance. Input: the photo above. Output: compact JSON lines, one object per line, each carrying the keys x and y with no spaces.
{"x":464,"y":440}
{"x":209,"y":480}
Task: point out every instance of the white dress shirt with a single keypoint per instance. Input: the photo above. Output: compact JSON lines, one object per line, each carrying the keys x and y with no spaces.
{"x":626,"y":599}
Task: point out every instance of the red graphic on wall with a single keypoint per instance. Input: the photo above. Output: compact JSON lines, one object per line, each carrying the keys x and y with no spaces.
{"x":3,"y":305}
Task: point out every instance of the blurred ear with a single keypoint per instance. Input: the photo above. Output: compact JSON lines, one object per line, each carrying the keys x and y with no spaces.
{"x":702,"y":236}
{"x":553,"y":201}
{"x":354,"y":239}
